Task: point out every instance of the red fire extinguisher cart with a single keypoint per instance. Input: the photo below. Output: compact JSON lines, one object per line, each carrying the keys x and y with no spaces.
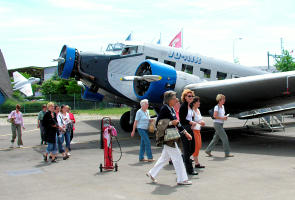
{"x":106,"y":144}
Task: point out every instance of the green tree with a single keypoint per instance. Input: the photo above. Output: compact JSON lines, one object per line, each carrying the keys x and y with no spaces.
{"x":285,"y":62}
{"x":72,"y":87}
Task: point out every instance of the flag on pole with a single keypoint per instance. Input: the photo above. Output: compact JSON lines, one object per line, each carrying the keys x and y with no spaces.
{"x":159,"y":41}
{"x":177,"y":41}
{"x":128,"y":38}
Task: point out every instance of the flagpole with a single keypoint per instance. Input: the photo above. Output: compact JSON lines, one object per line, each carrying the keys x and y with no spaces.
{"x":182,"y":38}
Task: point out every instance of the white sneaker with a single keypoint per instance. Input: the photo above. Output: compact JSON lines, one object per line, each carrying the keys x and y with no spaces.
{"x":20,"y":146}
{"x":185,"y":183}
{"x":68,"y":154}
{"x":11,"y":145}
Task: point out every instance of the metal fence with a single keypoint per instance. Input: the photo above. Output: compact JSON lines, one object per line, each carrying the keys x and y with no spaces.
{"x":74,"y":101}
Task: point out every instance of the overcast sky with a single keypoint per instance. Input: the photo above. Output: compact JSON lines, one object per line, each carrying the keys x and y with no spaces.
{"x":33,"y":31}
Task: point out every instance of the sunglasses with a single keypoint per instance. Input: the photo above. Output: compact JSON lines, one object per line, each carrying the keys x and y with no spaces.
{"x":189,"y":96}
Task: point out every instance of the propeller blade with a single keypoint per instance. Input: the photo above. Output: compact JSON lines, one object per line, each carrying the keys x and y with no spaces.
{"x":59,"y":60}
{"x":148,"y":78}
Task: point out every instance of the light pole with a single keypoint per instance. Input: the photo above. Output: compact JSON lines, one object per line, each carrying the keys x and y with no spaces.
{"x":234,"y":57}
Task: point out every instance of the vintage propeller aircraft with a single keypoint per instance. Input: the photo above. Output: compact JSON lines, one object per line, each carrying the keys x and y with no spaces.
{"x":146,"y":71}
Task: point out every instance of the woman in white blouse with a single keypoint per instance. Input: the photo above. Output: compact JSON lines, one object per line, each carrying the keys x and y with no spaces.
{"x":64,"y":123}
{"x":197,"y":117}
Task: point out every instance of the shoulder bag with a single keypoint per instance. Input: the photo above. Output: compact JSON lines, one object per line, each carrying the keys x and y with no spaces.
{"x":171,"y":133}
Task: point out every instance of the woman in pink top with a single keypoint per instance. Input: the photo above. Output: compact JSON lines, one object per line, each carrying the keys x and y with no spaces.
{"x":17,"y":123}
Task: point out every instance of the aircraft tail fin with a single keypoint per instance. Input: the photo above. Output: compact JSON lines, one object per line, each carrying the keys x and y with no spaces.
{"x":5,"y":85}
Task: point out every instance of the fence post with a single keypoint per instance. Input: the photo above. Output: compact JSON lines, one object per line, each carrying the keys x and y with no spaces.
{"x":74,"y":101}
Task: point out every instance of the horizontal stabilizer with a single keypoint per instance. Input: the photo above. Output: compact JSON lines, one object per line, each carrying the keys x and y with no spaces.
{"x":148,"y":78}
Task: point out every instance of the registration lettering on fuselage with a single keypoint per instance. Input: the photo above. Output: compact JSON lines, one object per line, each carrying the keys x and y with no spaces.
{"x":187,"y":58}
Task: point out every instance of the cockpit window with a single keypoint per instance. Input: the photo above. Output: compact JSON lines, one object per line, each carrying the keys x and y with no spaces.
{"x":115,"y":47}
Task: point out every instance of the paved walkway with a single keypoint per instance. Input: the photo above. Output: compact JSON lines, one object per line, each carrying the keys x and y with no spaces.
{"x":263,"y":168}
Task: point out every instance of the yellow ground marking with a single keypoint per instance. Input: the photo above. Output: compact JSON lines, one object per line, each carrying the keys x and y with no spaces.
{"x":23,"y":132}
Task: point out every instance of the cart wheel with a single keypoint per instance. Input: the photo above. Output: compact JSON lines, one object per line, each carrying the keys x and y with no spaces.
{"x":100,"y":167}
{"x":116,"y":167}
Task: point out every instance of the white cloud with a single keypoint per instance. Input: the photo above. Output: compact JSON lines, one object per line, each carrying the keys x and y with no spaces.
{"x":20,"y":22}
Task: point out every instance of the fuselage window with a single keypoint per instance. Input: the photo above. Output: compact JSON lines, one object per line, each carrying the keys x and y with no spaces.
{"x":221,"y":75}
{"x":152,"y":58}
{"x":207,"y":72}
{"x":129,"y":50}
{"x":171,"y":63}
{"x":187,"y":68}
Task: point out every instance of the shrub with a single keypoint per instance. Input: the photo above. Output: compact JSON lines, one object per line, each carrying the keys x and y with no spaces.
{"x":26,"y":106}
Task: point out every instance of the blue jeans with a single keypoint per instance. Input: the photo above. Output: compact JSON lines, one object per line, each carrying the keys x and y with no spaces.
{"x":60,"y":141}
{"x":67,"y":136}
{"x":145,"y":144}
{"x":51,"y":148}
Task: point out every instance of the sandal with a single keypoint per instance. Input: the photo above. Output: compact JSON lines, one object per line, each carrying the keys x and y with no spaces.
{"x":152,"y":178}
{"x":45,"y":158}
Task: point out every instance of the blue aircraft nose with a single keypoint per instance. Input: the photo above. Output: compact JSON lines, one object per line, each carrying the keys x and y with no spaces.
{"x":66,"y":62}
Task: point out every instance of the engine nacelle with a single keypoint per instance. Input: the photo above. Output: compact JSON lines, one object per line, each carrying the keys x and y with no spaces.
{"x":68,"y":56}
{"x":171,"y":80}
{"x":90,"y":96}
{"x":153,"y":91}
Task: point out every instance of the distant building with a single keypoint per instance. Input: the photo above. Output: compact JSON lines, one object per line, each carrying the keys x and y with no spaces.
{"x":44,"y":73}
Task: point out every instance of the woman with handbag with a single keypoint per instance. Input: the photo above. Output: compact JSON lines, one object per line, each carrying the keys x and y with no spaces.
{"x":169,"y":140}
{"x":63,"y":120}
{"x":186,"y":121}
{"x":141,"y":122}
{"x":50,"y":127}
{"x":17,"y":123}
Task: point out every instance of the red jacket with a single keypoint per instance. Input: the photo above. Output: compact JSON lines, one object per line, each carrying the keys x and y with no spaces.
{"x":72,"y":118}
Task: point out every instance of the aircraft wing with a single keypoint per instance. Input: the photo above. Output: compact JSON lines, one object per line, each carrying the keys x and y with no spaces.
{"x":17,"y":77}
{"x":27,"y":90}
{"x":266,"y":112}
{"x":248,"y":93}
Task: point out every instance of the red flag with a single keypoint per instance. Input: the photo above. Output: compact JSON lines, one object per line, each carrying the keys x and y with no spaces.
{"x":176,"y":42}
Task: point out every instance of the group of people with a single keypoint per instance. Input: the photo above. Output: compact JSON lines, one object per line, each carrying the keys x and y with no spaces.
{"x":58,"y":126}
{"x":187,"y":120}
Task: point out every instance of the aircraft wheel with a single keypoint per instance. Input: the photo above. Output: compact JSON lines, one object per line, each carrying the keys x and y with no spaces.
{"x":124,"y":122}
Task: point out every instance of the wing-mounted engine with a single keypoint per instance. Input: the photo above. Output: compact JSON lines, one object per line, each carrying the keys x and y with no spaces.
{"x":153,"y":90}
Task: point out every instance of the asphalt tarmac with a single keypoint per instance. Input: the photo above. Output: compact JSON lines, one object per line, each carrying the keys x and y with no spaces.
{"x":263,"y":167}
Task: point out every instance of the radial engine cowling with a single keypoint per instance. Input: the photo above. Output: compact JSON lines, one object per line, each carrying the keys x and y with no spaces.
{"x":153,"y":91}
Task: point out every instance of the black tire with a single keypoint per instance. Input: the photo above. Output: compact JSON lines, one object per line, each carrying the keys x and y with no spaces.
{"x":124,"y":122}
{"x":100,"y":167}
{"x":116,"y":167}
